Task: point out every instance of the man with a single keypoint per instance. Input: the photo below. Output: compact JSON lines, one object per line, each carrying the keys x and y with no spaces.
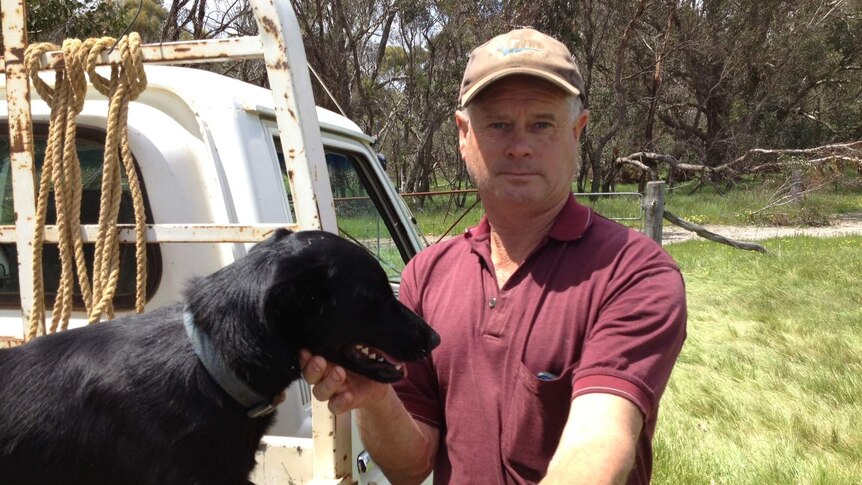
{"x":559,"y":328}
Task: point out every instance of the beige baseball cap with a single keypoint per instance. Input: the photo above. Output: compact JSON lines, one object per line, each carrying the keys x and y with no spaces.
{"x":521,"y":51}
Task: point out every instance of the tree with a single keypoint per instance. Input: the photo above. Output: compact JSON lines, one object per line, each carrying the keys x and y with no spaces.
{"x":698,"y":81}
{"x":55,"y":20}
{"x":748,"y":70}
{"x":145,"y":17}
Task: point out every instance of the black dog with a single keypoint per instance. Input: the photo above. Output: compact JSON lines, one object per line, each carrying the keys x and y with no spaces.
{"x":136,"y":401}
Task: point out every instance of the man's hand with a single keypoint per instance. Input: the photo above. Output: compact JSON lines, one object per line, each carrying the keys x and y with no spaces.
{"x":404,"y":448}
{"x":344,"y":390}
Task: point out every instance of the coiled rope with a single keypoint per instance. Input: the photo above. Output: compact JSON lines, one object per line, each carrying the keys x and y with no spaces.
{"x":62,"y":168}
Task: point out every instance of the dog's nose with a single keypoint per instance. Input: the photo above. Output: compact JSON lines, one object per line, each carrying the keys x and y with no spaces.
{"x":433,"y":340}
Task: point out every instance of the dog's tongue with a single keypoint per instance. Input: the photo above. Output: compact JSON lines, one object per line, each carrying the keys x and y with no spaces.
{"x":392,"y":360}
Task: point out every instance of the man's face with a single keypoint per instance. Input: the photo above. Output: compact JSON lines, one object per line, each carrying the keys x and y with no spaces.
{"x":520,"y":143}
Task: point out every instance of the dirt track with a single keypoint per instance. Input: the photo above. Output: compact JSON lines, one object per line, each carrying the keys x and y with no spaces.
{"x":846,"y":224}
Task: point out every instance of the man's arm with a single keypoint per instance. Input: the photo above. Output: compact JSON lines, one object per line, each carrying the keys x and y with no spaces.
{"x":404,"y":448}
{"x":598,"y":442}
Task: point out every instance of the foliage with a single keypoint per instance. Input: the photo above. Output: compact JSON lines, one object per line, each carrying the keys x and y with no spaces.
{"x":145,"y":17}
{"x":766,"y":388}
{"x":56,"y":20}
{"x":702,"y":81}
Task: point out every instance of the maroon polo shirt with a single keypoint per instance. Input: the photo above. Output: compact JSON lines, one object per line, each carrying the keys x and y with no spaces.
{"x":596,"y":307}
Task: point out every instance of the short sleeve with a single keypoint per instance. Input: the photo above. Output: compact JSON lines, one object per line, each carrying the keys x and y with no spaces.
{"x":631,"y":349}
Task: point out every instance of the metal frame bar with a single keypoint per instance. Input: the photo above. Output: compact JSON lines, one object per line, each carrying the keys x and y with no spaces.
{"x":309,"y":183}
{"x":20,"y":143}
{"x":301,"y":142}
{"x":183,"y":52}
{"x":168,"y":233}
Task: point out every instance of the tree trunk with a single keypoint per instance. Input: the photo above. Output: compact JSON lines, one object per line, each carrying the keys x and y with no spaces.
{"x":657,"y":78}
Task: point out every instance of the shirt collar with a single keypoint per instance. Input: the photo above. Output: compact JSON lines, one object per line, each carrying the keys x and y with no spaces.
{"x":571,"y":223}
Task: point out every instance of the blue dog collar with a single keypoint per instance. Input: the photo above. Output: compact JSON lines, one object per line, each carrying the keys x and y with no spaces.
{"x":257,"y":404}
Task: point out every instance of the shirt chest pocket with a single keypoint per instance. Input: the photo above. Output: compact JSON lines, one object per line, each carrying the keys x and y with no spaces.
{"x":533,"y":422}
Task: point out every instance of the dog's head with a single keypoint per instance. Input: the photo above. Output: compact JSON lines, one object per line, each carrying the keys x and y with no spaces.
{"x":332,"y":297}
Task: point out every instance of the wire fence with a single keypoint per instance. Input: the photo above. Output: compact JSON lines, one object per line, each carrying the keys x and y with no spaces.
{"x":623,"y":207}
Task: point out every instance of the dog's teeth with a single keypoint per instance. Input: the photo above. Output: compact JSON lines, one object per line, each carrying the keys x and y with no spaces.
{"x":373,"y":355}
{"x":364,"y":350}
{"x":398,"y":367}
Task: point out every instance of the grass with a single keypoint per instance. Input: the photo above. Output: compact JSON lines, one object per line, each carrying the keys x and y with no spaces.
{"x":360,"y":222}
{"x":436,"y":215}
{"x":767,"y":388}
{"x":741,"y":204}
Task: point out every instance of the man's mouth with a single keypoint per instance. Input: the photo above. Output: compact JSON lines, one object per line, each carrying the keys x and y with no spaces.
{"x":519,"y":175}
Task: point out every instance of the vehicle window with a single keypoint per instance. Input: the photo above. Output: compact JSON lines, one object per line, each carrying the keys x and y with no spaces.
{"x":90,"y":144}
{"x":358,"y":209}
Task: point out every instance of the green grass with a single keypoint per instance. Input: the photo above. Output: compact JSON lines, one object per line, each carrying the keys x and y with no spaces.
{"x":437,"y":215}
{"x":360,"y":222}
{"x":738,"y":206}
{"x":768,"y":388}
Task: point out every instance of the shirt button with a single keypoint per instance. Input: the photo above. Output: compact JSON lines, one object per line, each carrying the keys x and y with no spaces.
{"x":492,"y":303}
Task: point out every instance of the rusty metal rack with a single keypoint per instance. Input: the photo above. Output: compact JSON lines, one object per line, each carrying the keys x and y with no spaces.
{"x":325,"y":457}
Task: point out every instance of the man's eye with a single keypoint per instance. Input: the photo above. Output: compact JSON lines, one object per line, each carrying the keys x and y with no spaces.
{"x":542,"y":125}
{"x":499,"y":125}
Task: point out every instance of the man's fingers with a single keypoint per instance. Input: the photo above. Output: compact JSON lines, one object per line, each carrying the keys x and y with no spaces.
{"x":341,"y":403}
{"x":304,"y":357}
{"x":331,"y":384}
{"x":313,"y":369}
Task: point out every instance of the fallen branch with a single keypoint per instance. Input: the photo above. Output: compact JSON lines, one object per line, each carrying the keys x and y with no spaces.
{"x":783,"y":195}
{"x":704,"y":233}
{"x":841,"y":152}
{"x":854,"y":148}
{"x":638,"y":159}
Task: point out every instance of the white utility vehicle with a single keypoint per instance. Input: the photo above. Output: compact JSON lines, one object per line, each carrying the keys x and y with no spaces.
{"x":221,"y":164}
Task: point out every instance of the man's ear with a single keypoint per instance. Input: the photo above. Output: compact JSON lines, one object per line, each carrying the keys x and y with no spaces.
{"x":462,"y":121}
{"x":580,"y":123}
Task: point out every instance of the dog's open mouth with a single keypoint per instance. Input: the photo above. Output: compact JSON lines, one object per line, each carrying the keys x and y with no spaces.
{"x":378,"y":364}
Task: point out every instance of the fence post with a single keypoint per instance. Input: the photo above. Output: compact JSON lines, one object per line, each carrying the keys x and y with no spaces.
{"x":653,"y":205}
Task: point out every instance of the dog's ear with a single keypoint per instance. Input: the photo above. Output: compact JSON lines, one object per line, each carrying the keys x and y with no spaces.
{"x":280,"y":233}
{"x":272,"y":239}
{"x":296,"y":293}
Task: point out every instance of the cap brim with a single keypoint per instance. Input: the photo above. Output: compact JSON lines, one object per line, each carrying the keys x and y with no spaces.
{"x":488,"y":80}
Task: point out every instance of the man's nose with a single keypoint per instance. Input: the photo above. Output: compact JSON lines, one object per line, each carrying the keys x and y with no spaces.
{"x":519,"y":144}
